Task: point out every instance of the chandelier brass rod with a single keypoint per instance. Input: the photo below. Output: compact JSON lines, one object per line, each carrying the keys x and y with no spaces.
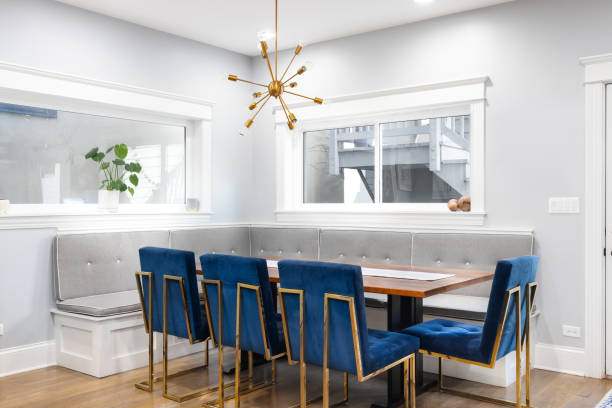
{"x":301,"y":96}
{"x":269,"y":66}
{"x":290,"y":78}
{"x":283,"y":106}
{"x":251,"y":82}
{"x":288,"y":66}
{"x":287,"y":107}
{"x":262,"y":98}
{"x":276,"y":40}
{"x":262,"y":105}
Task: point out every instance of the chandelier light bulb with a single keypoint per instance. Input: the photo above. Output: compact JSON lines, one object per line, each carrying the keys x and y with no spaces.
{"x":265,"y":35}
{"x":309,"y":65}
{"x":244,"y":131}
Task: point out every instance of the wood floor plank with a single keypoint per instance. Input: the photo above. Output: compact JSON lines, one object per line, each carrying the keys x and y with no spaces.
{"x":57,"y":387}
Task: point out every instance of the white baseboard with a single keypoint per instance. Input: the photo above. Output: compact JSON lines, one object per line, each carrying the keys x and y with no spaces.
{"x":16,"y":360}
{"x":562,"y":359}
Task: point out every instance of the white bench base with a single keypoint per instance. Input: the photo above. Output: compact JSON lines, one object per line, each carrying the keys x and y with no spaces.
{"x":102,"y":346}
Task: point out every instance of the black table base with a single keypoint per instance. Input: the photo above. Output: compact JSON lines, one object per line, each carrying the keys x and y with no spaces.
{"x":403,"y":312}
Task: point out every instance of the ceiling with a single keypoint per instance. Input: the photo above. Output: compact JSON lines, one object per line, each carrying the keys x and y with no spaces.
{"x":234,"y":24}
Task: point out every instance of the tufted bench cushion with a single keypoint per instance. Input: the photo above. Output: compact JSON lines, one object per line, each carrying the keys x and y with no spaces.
{"x":293,"y":243}
{"x":215,"y":240}
{"x":107,"y":304}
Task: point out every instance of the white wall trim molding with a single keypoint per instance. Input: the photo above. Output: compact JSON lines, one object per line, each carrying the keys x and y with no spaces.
{"x":378,"y":218}
{"x":562,"y":359}
{"x":23,"y":85}
{"x":598,"y":72}
{"x":29,"y":357}
{"x":463,"y":97}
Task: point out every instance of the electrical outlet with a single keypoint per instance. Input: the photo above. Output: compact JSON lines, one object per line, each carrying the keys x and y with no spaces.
{"x":1,"y":329}
{"x":571,"y":331}
{"x":564,"y":205}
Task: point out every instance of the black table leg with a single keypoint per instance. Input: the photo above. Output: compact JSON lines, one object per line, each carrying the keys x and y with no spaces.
{"x":402,"y":312}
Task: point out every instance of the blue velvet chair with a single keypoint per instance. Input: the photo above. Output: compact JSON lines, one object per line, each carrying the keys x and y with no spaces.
{"x":241,"y":314}
{"x":505,"y":328}
{"x":324,"y":318}
{"x":168,"y":290}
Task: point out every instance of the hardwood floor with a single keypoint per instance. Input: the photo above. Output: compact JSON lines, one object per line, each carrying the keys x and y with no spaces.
{"x":60,"y":387}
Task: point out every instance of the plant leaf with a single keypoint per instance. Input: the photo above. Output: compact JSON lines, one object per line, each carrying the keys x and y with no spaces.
{"x":131,"y":190}
{"x":109,"y":149}
{"x":104,"y":165}
{"x":98,"y":157}
{"x":121,"y":151}
{"x":136,"y":167}
{"x":122,"y":186}
{"x":90,"y":154}
{"x":118,"y":162}
{"x":134,"y":179}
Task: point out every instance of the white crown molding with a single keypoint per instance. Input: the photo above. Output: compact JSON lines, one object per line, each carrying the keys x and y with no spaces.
{"x":481,"y":80}
{"x":103,"y":84}
{"x":597,"y":68}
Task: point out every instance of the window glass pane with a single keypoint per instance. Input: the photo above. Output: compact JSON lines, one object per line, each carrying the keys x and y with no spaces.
{"x":426,"y":161}
{"x":42,"y":156}
{"x":339,"y":165}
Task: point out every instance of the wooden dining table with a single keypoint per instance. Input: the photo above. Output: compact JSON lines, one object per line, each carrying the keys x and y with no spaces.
{"x":404,"y":308}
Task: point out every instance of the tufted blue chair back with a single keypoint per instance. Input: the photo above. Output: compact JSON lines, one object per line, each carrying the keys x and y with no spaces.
{"x":231,"y":270}
{"x":316,"y":279}
{"x":163,"y":261}
{"x":508,"y":274}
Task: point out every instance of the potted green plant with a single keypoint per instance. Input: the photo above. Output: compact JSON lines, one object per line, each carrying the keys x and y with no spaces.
{"x":115,"y":171}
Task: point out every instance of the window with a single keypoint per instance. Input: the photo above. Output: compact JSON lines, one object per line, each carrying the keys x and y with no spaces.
{"x":385,"y":158}
{"x":426,"y":160}
{"x":42,"y":156}
{"x":339,"y":165}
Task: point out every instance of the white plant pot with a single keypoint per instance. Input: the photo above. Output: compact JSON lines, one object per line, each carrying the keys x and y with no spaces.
{"x":108,"y":200}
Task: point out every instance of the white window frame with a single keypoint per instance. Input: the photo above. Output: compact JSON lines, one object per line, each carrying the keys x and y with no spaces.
{"x":33,"y":87}
{"x":464,"y":97}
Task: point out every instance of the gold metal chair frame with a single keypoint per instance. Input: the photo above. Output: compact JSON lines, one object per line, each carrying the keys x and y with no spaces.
{"x":147,"y":385}
{"x":251,"y":387}
{"x":522,"y":340}
{"x":408,"y":361}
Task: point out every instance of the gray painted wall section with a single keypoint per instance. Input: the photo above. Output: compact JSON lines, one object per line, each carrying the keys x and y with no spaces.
{"x":55,"y":37}
{"x":26,"y":286}
{"x":534,"y":118}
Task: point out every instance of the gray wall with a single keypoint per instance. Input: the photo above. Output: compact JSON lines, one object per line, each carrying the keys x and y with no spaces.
{"x":534,"y":117}
{"x":26,"y":286}
{"x":52,"y":36}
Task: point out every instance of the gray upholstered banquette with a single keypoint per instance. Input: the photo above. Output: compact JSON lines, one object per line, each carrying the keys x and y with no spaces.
{"x":95,"y":272}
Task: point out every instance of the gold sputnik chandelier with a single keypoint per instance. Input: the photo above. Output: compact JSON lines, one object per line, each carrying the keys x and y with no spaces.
{"x":277,"y":86}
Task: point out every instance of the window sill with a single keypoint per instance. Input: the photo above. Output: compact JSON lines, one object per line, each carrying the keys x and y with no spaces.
{"x":380,"y":218}
{"x":87,"y":217}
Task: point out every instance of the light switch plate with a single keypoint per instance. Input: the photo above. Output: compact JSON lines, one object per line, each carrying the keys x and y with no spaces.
{"x":564,"y":205}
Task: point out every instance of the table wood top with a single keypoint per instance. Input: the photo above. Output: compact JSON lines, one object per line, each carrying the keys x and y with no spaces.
{"x":410,"y":287}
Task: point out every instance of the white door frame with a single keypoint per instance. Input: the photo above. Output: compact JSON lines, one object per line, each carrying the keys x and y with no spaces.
{"x":598,"y":74}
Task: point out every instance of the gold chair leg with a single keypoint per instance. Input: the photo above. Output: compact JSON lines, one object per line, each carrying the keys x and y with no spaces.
{"x":206,"y":353}
{"x":273,"y":367}
{"x":440,"y":375}
{"x":406,"y":379}
{"x":237,"y":375}
{"x":302,"y":382}
{"x":325,"y":387}
{"x":412,"y":382}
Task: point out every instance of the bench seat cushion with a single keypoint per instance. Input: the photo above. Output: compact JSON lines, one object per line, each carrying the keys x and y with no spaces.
{"x":456,"y":306}
{"x":103,"y":305}
{"x":444,"y":305}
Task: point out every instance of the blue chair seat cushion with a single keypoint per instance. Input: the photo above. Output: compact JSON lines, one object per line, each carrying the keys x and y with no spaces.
{"x":450,"y":338}
{"x":385,"y":347}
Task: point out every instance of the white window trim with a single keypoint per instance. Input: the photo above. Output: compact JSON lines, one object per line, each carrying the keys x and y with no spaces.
{"x":449,"y":98}
{"x":22,"y":85}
